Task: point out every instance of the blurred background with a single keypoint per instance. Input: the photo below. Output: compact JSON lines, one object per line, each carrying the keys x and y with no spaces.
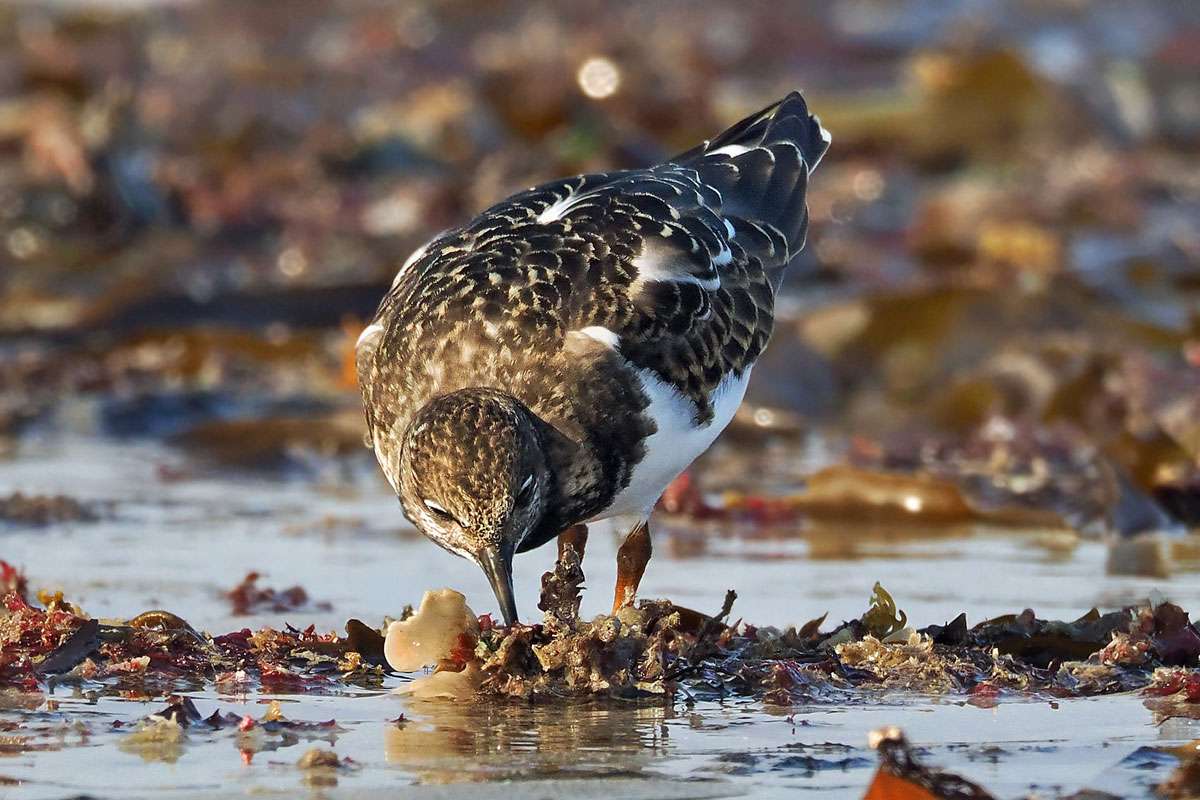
{"x":997,"y":316}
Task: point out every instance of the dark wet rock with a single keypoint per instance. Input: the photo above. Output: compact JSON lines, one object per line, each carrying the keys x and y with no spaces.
{"x":81,"y":644}
{"x":952,"y":633}
{"x":738,"y":763}
{"x":182,"y":711}
{"x":749,"y":759}
{"x":820,"y":747}
{"x":366,"y":641}
{"x":807,"y":765}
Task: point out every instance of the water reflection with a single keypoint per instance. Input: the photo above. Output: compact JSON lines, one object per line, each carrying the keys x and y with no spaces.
{"x":830,"y":540}
{"x":838,"y":540}
{"x":444,"y":742}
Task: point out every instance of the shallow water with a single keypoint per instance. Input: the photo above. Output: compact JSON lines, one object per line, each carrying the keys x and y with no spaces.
{"x":654,"y":750}
{"x":179,"y":542}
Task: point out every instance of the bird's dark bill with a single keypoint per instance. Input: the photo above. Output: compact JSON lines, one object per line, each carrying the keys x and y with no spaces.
{"x":498,"y":568}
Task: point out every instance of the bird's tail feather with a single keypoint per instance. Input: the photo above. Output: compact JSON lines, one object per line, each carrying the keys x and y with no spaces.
{"x":761,"y":166}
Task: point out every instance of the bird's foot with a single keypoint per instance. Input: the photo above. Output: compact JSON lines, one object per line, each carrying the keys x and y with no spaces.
{"x":632,"y":558}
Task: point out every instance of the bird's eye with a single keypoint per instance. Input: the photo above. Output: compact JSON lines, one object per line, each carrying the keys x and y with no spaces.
{"x":525,"y":493}
{"x":439,"y":511}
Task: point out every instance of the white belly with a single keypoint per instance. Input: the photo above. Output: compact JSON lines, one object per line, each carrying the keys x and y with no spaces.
{"x":676,"y":443}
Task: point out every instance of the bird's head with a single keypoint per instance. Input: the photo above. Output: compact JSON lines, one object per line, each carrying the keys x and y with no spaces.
{"x":473,"y":477}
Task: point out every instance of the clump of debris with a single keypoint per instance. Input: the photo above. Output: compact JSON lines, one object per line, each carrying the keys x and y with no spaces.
{"x":659,"y":648}
{"x":39,"y":511}
{"x":47,"y":640}
{"x":655,"y":648}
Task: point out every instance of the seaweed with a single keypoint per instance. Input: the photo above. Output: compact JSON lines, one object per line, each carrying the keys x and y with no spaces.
{"x":883,"y":618}
{"x":655,"y":648}
{"x":249,"y":598}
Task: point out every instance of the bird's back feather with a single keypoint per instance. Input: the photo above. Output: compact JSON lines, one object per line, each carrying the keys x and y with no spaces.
{"x":761,"y":167}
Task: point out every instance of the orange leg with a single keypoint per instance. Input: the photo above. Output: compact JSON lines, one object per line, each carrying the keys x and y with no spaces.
{"x":576,"y":537}
{"x":632,"y":558}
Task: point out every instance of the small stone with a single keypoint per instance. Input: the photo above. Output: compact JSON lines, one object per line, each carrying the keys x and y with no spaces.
{"x":318,"y":758}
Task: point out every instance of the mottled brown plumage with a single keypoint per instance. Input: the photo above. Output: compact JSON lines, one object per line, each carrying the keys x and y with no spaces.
{"x":521,"y":354}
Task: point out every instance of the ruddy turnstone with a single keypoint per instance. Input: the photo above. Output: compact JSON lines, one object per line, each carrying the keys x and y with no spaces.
{"x":562,"y":357}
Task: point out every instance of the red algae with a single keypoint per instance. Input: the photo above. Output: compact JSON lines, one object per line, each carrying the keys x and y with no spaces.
{"x":655,"y":648}
{"x":248,"y":597}
{"x":29,"y":636}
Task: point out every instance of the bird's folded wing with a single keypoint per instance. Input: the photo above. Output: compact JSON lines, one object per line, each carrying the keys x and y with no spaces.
{"x":675,"y":265}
